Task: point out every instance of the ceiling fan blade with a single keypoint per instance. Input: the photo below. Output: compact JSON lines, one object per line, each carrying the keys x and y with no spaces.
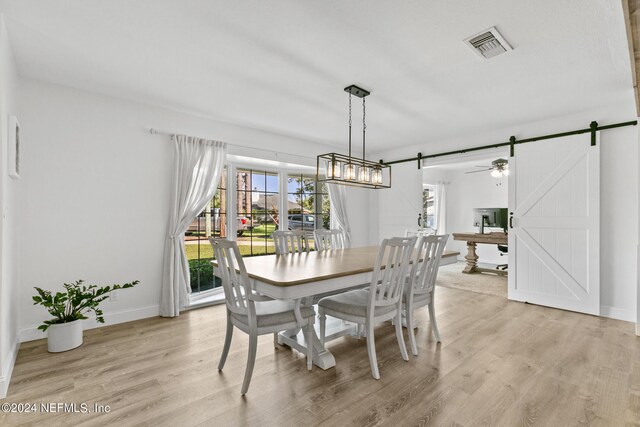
{"x":485,"y":166}
{"x":483,"y":170}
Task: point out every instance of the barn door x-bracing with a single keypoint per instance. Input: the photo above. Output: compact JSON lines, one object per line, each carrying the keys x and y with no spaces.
{"x":554,"y":198}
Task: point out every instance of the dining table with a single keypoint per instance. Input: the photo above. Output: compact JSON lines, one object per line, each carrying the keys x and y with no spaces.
{"x":308,"y":274}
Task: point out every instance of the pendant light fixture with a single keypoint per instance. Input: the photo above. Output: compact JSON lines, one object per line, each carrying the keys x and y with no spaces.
{"x":350,"y":170}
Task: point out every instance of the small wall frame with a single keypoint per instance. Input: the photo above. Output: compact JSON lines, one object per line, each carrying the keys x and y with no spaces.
{"x":13,"y":149}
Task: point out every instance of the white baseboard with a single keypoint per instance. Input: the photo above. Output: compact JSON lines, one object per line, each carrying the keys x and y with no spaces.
{"x":32,"y":333}
{"x":618,"y":313}
{"x":5,"y":378}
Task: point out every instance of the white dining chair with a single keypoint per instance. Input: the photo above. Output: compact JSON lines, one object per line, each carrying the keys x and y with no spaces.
{"x":288,"y":242}
{"x":381,"y":301}
{"x":328,"y":239}
{"x":420,"y":286}
{"x":251,"y":312}
{"x":419,"y":232}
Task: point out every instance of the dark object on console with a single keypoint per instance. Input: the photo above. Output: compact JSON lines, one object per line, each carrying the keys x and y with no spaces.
{"x":490,"y":217}
{"x":503,"y":250}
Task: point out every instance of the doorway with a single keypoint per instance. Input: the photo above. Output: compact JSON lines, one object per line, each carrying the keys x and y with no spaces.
{"x":458,"y":186}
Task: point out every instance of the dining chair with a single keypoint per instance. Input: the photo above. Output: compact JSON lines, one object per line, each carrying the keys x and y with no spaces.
{"x":381,"y":301}
{"x":419,"y":232}
{"x":253,"y":313}
{"x":287,"y":242}
{"x":420,"y":285}
{"x":328,"y":239}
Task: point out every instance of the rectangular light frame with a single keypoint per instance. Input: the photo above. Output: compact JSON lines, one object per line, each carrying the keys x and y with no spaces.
{"x":332,"y":158}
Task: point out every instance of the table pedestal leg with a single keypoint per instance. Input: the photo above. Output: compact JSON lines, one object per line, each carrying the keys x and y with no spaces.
{"x":472,"y":258}
{"x":322,"y":358}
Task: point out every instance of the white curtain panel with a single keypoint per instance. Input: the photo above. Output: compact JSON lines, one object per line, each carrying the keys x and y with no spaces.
{"x":198,"y":165}
{"x":441,"y":208}
{"x":338,"y":200}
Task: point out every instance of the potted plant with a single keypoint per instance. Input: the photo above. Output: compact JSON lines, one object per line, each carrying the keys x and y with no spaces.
{"x":64,"y":331}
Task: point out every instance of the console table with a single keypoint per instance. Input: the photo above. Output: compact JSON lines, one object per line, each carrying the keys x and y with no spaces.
{"x":472,"y":240}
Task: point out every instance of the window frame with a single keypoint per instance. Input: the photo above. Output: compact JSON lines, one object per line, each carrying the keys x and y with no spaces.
{"x":432,"y":189}
{"x":232,"y":167}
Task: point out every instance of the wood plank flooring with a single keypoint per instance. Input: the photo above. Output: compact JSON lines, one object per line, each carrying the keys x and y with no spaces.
{"x":500,"y":363}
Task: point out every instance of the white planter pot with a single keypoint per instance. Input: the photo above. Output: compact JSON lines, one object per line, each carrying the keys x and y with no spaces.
{"x":64,"y":336}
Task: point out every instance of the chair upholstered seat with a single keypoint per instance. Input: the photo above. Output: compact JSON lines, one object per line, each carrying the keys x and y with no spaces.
{"x":419,"y":299}
{"x":271,"y":313}
{"x":353,"y":303}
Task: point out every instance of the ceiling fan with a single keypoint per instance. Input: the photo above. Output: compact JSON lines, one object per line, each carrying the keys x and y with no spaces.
{"x":498,"y":168}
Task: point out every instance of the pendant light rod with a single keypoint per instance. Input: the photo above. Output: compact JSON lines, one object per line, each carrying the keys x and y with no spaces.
{"x":349,"y":125}
{"x":364,"y":128}
{"x":512,"y":142}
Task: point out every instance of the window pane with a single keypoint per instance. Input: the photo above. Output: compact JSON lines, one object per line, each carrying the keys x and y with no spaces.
{"x":308,"y":204}
{"x":211,"y":222}
{"x":258,"y":202}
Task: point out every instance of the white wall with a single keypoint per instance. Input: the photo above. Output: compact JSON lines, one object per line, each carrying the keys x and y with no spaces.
{"x":619,"y":193}
{"x":618,"y":222}
{"x":9,"y":213}
{"x":96,"y":188}
{"x":465,"y":192}
{"x":358,"y":213}
{"x":399,"y":206}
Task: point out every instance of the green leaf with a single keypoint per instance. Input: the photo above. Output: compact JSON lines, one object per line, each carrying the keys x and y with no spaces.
{"x":75,"y":302}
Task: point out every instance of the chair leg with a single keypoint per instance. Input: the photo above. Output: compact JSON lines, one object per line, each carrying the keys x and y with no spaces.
{"x":323,"y":324}
{"x":400,"y":337}
{"x":434,"y":323}
{"x":371,"y":349}
{"x":251,"y":361}
{"x":227,"y":344}
{"x":410,"y":331}
{"x":275,"y":339}
{"x":309,"y":339}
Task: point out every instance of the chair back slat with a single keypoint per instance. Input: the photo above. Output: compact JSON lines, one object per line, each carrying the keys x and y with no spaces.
{"x":232,"y":272}
{"x":288,"y":242}
{"x":419,"y":232}
{"x":390,"y":271}
{"x":427,"y":262}
{"x":328,"y":239}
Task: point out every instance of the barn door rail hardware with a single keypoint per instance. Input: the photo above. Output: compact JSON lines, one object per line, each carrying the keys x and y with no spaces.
{"x":593,"y":128}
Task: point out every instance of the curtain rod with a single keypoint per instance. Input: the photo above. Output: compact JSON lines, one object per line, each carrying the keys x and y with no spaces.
{"x":154,"y":131}
{"x":593,"y":128}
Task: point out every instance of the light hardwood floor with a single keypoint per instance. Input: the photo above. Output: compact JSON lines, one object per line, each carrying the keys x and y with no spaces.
{"x":500,"y":363}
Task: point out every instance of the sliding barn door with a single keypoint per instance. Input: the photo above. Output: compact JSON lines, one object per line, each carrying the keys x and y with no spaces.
{"x":554,"y":196}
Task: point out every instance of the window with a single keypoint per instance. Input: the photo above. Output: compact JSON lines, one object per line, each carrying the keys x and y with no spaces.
{"x":258,"y":200}
{"x":429,"y":207}
{"x":212,"y":222}
{"x":308,"y":204}
{"x":257,"y":203}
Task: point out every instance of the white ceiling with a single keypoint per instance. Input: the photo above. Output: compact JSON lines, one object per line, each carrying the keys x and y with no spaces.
{"x":281,"y":66}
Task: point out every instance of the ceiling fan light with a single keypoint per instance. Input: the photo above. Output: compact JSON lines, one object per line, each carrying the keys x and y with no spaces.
{"x":496,"y":173}
{"x":505,"y":172}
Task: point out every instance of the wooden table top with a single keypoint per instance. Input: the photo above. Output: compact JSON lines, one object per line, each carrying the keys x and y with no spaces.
{"x":298,"y":269}
{"x":492,"y":238}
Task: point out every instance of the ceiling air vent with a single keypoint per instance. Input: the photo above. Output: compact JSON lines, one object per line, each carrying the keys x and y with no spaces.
{"x":488,"y":43}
